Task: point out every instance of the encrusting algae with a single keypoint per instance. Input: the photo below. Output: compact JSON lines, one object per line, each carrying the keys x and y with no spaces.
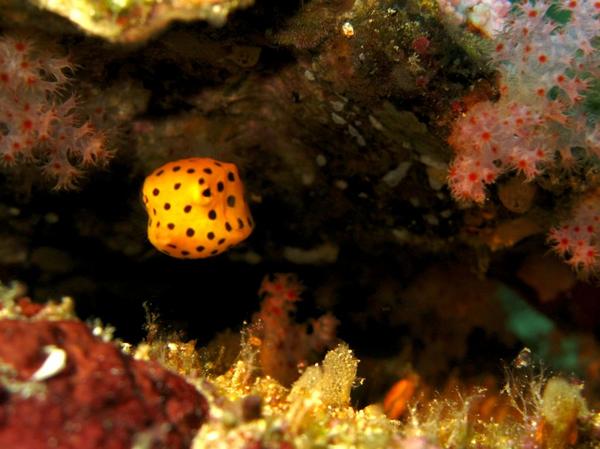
{"x":316,"y":412}
{"x":250,"y":410}
{"x":196,"y":208}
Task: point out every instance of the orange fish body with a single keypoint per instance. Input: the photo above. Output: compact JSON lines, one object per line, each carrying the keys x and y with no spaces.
{"x":196,"y":208}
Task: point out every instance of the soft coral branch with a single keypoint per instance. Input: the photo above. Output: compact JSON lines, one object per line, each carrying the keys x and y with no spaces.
{"x":285,"y":344}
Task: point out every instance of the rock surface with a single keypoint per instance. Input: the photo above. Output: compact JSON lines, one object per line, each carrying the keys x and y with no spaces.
{"x":98,"y":398}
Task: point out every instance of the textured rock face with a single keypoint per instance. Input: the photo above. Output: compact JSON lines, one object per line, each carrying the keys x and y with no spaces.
{"x":99,"y":398}
{"x":133,"y":21}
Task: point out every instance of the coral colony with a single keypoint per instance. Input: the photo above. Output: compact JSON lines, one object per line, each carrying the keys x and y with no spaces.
{"x":546,"y":69}
{"x":41,"y":122}
{"x":549,"y":66}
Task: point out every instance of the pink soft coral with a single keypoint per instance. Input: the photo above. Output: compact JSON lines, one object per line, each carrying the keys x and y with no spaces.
{"x":494,"y":138}
{"x":577,"y":240}
{"x":545,"y":68}
{"x":38,"y":124}
{"x":286,"y":345}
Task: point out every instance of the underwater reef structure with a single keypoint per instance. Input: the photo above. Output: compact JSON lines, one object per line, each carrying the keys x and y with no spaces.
{"x":68,"y":384}
{"x":415,"y":173}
